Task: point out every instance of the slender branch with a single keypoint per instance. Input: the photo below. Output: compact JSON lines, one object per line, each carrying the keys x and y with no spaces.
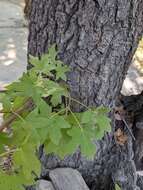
{"x":129,"y":130}
{"x":27,"y":106}
{"x":74,"y":100}
{"x":76,"y":119}
{"x":9,"y":152}
{"x":1,"y":111}
{"x":3,"y":90}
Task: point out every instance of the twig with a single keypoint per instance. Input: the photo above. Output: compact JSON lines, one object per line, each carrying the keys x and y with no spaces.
{"x":27,"y":106}
{"x":2,"y":90}
{"x":128,"y":129}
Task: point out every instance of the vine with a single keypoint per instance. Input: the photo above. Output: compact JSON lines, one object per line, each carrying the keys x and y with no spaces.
{"x":37,"y":111}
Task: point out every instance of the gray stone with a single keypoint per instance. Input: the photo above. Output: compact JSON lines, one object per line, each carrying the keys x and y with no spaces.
{"x":44,"y":185}
{"x":67,"y":179}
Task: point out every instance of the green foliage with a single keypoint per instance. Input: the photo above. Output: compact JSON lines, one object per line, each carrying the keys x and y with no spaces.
{"x":11,"y":182}
{"x":40,"y":116}
{"x":117,"y":187}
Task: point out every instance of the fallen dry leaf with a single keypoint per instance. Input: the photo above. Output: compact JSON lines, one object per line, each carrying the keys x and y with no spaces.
{"x":120,"y":137}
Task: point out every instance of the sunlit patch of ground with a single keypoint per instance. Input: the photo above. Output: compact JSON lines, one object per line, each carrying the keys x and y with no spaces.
{"x":138,"y":59}
{"x":133,"y":83}
{"x":13,"y":41}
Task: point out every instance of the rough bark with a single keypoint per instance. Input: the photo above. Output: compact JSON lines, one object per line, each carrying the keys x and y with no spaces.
{"x":97,"y":39}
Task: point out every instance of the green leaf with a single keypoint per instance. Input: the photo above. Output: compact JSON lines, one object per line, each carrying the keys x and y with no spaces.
{"x":52,"y":52}
{"x":43,"y":109}
{"x":88,"y":117}
{"x":37,"y":128}
{"x":56,"y":124}
{"x":102,"y":125}
{"x":6,"y":102}
{"x":18,"y":101}
{"x":4,"y":140}
{"x":81,"y":137}
{"x":56,"y":91}
{"x":36,"y":121}
{"x":99,"y":133}
{"x":11,"y":182}
{"x":61,"y":71}
{"x":117,"y":187}
{"x":25,"y":159}
{"x":34,"y":60}
{"x":102,"y":110}
{"x":103,"y":122}
{"x":49,"y":122}
{"x":61,"y":149}
{"x":71,"y":118}
{"x":19,"y":133}
{"x":46,"y":64}
{"x":56,"y":98}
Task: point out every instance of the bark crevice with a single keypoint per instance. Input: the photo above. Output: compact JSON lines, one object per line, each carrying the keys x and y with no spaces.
{"x":97,"y":39}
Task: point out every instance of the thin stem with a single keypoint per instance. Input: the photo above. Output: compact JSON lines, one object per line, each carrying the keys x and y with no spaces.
{"x":19,"y":116}
{"x":6,"y":153}
{"x":79,"y":102}
{"x":57,"y":113}
{"x":1,"y":111}
{"x":26,"y":139}
{"x":66,"y":105}
{"x":74,"y":116}
{"x":27,"y":106}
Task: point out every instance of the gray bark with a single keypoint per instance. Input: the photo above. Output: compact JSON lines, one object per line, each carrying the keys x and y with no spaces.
{"x":112,"y":163}
{"x":97,"y":39}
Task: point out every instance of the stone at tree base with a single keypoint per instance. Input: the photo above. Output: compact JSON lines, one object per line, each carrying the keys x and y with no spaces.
{"x":140,"y":181}
{"x":44,"y":185}
{"x":67,"y":179}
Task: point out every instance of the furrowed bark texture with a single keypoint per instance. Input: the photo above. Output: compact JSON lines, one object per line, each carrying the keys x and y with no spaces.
{"x":112,"y":164}
{"x":97,"y":39}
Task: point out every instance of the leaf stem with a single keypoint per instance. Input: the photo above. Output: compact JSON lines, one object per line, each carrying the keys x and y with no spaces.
{"x":8,"y":152}
{"x":27,"y":106}
{"x":74,"y":116}
{"x":57,"y":113}
{"x":73,"y":99}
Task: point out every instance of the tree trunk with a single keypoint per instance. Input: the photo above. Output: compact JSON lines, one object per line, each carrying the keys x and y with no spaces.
{"x":97,"y":39}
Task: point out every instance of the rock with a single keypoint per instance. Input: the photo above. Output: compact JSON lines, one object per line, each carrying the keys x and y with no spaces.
{"x":67,"y":179}
{"x":140,"y":181}
{"x":44,"y":185}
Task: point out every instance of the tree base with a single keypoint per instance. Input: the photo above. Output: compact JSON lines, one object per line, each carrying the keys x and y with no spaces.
{"x":113,"y":162}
